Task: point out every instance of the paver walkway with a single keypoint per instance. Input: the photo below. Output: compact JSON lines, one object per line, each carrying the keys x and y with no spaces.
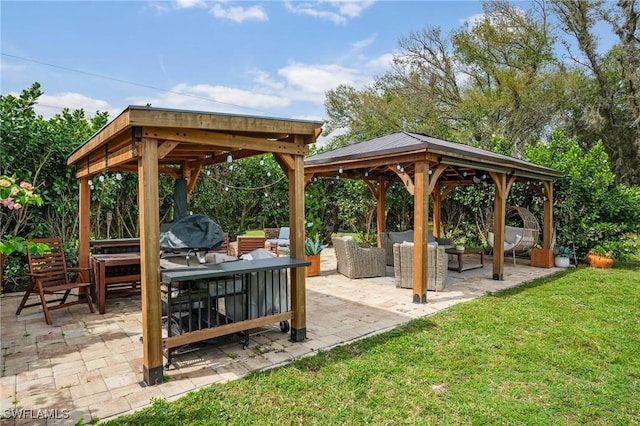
{"x":89,"y":366}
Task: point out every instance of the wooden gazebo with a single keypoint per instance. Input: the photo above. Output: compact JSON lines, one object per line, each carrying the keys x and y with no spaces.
{"x":180,"y":143}
{"x":431,"y":167}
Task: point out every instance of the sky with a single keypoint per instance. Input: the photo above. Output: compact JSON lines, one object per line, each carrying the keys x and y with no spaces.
{"x":270,"y":58}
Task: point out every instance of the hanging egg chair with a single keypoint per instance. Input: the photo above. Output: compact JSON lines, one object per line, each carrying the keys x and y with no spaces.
{"x":518,"y":238}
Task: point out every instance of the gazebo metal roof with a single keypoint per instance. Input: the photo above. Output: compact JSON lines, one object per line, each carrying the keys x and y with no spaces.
{"x":374,"y":155}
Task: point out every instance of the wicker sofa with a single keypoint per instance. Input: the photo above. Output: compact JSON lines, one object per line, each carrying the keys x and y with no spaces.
{"x":356,"y":261}
{"x":388,"y":239}
{"x":436,"y":268}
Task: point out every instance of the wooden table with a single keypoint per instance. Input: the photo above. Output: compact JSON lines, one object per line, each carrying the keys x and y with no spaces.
{"x":101,"y":279}
{"x":117,"y":245}
{"x":466,"y":251}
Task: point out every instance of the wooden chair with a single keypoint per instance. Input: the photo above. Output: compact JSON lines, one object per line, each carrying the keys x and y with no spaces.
{"x":49,"y":275}
{"x":271,"y":233}
{"x":224,"y":247}
{"x":245,"y":244}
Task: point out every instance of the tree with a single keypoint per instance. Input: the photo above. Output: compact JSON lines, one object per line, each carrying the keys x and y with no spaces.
{"x":609,"y":108}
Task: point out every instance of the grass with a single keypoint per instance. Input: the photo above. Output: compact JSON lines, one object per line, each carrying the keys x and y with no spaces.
{"x":559,"y":350}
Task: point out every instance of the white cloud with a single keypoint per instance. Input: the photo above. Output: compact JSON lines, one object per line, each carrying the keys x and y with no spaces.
{"x":473,"y":20}
{"x":185,"y":4}
{"x":352,"y":8}
{"x":239,"y":14}
{"x":213,"y":98}
{"x":263,"y":78}
{"x":336,"y":11}
{"x":382,"y":62}
{"x":364,"y":43}
{"x":50,"y":105}
{"x":310,"y":82}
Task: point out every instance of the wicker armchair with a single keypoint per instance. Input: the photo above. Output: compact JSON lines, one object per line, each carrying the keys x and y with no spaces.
{"x":436,"y":268}
{"x":355,"y":261}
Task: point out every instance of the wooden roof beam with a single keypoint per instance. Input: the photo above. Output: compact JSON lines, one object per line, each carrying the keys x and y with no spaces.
{"x":224,"y":141}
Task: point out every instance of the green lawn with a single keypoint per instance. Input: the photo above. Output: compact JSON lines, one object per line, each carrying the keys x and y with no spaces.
{"x":560,"y":350}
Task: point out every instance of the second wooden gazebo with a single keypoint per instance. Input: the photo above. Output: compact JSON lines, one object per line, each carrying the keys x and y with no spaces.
{"x":431,"y":167}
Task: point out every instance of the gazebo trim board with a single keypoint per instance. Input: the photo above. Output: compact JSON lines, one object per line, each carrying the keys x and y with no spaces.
{"x":150,"y":141}
{"x":432,"y":167}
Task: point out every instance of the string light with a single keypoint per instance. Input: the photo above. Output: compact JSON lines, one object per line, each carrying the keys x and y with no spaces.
{"x":101,"y":178}
{"x":229,"y":158}
{"x":340,"y":170}
{"x":118,"y":176}
{"x":268,"y":174}
{"x":366,"y":174}
{"x":262,"y":161}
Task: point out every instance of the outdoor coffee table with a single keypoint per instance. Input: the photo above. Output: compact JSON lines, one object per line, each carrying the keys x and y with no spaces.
{"x":466,"y":251}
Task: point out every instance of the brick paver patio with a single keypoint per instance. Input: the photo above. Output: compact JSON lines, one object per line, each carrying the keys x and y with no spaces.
{"x":88,"y":366}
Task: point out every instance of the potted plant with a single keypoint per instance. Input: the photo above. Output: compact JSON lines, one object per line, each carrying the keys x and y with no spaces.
{"x":562,"y":256}
{"x":598,"y":257}
{"x":459,"y":243}
{"x":542,"y":257}
{"x":312,"y":249}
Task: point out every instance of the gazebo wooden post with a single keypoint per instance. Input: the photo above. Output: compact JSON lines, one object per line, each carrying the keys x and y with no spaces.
{"x":420,"y":233}
{"x":499,"y":211}
{"x":381,"y":218}
{"x":547,"y":222}
{"x":297,"y":236}
{"x":149,"y":218}
{"x":437,"y":204}
{"x":84,"y":221}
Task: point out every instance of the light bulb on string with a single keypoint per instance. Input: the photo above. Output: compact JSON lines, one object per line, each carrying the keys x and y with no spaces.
{"x":366,"y":174}
{"x":402,"y":169}
{"x":229,"y":158}
{"x":101,"y":178}
{"x":90,"y":182}
{"x":208,"y":172}
{"x":226,"y":188}
{"x":262,"y":161}
{"x":340,"y":170}
{"x":119,"y":176}
{"x":268,"y":174}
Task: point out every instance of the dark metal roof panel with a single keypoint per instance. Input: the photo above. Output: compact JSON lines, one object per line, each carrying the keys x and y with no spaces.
{"x":404,"y":142}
